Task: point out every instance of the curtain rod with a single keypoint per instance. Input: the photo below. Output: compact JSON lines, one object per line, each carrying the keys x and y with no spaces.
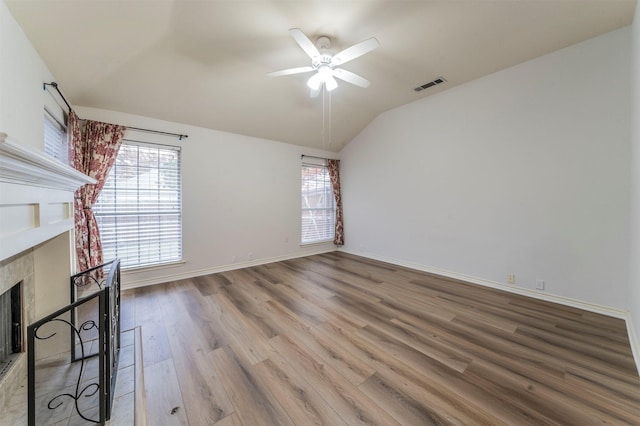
{"x":319,"y":158}
{"x":55,"y":86}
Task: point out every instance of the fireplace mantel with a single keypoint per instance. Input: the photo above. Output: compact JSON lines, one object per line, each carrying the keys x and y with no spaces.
{"x":36,"y":196}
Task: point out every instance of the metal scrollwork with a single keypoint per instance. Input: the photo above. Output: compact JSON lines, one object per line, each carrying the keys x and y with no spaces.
{"x":86,"y":280}
{"x":105,"y":305}
{"x":56,"y":401}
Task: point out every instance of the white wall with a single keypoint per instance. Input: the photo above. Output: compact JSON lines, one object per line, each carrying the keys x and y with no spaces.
{"x":634,"y":281}
{"x":22,"y":102}
{"x":524,"y":171}
{"x":22,"y":98}
{"x":241,"y":196}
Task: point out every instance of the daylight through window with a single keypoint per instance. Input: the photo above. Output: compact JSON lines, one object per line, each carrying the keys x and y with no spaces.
{"x":139,"y":211}
{"x":56,"y":143}
{"x":318,"y":205}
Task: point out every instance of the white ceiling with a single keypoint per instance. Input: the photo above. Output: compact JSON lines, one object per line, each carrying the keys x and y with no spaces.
{"x":205,"y":62}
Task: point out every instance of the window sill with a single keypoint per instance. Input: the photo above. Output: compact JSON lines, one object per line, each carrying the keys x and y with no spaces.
{"x":136,"y":269}
{"x":317,"y":243}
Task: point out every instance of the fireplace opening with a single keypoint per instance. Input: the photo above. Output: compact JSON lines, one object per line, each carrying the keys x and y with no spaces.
{"x":10,"y":326}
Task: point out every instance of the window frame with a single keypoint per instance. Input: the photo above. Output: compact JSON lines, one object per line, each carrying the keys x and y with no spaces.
{"x":161,"y":261}
{"x":328,"y":192}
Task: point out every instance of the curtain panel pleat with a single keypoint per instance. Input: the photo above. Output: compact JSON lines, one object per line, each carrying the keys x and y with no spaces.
{"x":94,"y":149}
{"x":334,"y":175}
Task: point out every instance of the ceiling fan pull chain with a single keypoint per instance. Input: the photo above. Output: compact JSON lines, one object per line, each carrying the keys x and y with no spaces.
{"x":330,"y":121}
{"x":324,"y":96}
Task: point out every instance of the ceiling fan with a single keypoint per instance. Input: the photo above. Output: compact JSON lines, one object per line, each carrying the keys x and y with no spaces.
{"x":326,"y":65}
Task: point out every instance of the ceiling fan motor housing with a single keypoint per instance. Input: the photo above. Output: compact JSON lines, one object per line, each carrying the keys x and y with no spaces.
{"x":324,"y":60}
{"x":323,"y":43}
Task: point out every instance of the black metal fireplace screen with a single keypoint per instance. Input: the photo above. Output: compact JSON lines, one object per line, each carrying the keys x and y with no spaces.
{"x":73,"y":353}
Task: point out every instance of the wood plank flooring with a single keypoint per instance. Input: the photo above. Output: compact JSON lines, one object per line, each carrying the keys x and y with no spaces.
{"x":338,"y":339}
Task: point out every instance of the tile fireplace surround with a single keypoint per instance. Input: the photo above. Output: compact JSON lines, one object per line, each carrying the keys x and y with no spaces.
{"x":17,"y":269}
{"x":36,"y":205}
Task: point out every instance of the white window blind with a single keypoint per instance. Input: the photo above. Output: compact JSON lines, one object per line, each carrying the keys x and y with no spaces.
{"x":139,"y":210}
{"x":318,"y":204}
{"x":55,"y":139}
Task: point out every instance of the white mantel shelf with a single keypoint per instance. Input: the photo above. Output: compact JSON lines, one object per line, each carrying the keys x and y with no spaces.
{"x":36,"y":197}
{"x":26,"y":166}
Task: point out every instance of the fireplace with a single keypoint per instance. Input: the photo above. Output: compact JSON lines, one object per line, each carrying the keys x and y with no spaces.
{"x":16,"y":269}
{"x":10,"y":326}
{"x":36,"y":218}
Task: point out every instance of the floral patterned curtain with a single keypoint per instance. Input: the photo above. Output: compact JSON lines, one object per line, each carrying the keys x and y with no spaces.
{"x":94,"y":150}
{"x":334,"y":175}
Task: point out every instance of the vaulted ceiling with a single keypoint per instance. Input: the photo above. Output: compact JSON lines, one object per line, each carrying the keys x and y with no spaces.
{"x":204,"y":63}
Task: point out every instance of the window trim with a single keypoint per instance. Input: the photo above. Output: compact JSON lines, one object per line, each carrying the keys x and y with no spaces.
{"x":172,"y":262}
{"x":316,"y":164}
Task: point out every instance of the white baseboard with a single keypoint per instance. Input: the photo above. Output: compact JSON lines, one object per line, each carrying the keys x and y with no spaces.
{"x":591,"y":307}
{"x":128,"y":284}
{"x":567,"y":301}
{"x":587,"y":306}
{"x":634,"y":340}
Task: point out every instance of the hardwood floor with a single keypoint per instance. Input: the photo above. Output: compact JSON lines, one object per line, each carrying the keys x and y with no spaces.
{"x":338,"y":339}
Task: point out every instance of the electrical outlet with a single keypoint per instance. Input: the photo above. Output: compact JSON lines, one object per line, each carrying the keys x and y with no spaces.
{"x":250,"y":256}
{"x":540,"y":284}
{"x":511,"y":278}
{"x":234,"y":259}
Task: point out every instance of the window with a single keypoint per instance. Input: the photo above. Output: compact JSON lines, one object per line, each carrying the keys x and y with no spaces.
{"x":139,"y":210}
{"x":318,"y":205}
{"x":56,"y":143}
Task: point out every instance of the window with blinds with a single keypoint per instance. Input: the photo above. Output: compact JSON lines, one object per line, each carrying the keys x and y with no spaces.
{"x":318,"y":205}
{"x":139,"y":210}
{"x":56,"y":143}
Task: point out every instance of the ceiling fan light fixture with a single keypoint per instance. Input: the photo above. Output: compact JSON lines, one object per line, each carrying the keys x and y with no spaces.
{"x":325,"y":72}
{"x":325,"y":64}
{"x":330,"y":83}
{"x":315,"y":81}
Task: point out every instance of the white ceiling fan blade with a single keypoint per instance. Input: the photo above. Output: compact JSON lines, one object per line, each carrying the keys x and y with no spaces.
{"x":351,"y":77}
{"x":355,"y":51}
{"x":304,"y":42}
{"x":290,"y":71}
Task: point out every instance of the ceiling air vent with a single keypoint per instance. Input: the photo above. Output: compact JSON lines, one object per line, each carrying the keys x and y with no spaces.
{"x":437,"y":81}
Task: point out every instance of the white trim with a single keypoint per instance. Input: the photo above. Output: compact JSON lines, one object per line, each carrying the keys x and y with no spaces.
{"x":616,"y":313}
{"x":567,"y":301}
{"x":27,"y":166}
{"x":36,"y":196}
{"x":154,"y":267}
{"x":316,"y":243}
{"x":633,"y":340}
{"x":217,"y":269}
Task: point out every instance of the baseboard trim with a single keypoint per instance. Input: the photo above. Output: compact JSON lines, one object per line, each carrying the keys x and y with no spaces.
{"x":567,"y":301}
{"x":633,"y":340}
{"x":131,"y":284}
{"x":562,"y":300}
